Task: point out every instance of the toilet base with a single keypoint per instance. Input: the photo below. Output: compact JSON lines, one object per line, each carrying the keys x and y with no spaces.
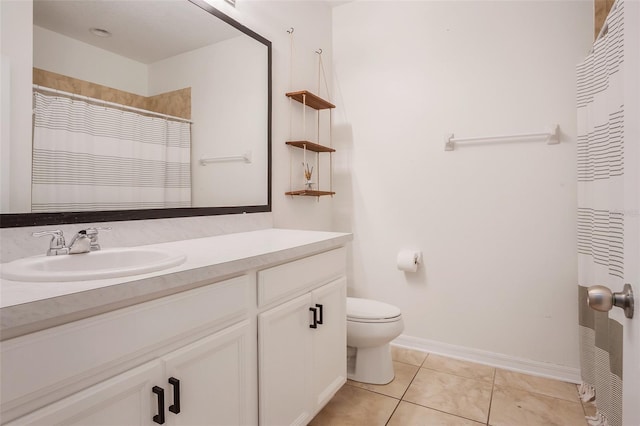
{"x":370,"y":365}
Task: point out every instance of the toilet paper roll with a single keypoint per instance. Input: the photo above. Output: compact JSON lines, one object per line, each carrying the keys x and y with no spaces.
{"x":408,"y":260}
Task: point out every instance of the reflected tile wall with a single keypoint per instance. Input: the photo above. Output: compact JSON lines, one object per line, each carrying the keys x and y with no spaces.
{"x":176,"y":103}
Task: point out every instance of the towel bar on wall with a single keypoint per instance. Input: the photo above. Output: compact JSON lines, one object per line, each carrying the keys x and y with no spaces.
{"x":550,"y":136}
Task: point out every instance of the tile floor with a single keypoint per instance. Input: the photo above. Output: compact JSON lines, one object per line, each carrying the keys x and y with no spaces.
{"x":433,"y":390}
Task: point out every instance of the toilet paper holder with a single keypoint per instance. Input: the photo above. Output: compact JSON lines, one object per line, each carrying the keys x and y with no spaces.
{"x":409,"y":260}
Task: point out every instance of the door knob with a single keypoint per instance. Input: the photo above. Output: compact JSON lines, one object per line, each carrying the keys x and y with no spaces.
{"x":602,"y":299}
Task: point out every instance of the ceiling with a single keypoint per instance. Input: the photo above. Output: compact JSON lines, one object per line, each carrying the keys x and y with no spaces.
{"x":143,"y":30}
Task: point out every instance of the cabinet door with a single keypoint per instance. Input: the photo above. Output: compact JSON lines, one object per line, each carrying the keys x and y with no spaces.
{"x":330,"y":342}
{"x":285,"y":363}
{"x":126,"y":399}
{"x":213,"y":383}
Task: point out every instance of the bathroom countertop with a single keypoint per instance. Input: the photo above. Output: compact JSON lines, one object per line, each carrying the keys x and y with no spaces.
{"x":26,"y":307}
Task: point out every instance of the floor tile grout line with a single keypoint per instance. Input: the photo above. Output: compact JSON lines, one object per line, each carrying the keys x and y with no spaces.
{"x":493,"y":387}
{"x":380,"y":394}
{"x":435,"y":409}
{"x":458,"y":375}
{"x":409,"y":385}
{"x":441,"y":411}
{"x":405,"y":391}
{"x":393,"y":412}
{"x":537,"y":393}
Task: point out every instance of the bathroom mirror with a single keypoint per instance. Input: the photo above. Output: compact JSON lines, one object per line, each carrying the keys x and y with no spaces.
{"x":230,"y":98}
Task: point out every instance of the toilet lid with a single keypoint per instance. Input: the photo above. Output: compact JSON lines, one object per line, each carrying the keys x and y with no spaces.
{"x":368,"y":309}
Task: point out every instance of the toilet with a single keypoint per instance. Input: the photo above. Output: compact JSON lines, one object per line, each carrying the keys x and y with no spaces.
{"x":371,"y":325}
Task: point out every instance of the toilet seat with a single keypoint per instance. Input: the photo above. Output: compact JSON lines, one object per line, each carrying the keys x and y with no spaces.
{"x":366,"y":310}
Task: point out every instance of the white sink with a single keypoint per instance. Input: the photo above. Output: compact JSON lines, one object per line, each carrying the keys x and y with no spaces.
{"x":110,"y":263}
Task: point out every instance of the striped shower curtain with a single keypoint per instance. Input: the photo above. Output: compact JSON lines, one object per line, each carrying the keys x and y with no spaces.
{"x":601,"y":215}
{"x":89,"y":157}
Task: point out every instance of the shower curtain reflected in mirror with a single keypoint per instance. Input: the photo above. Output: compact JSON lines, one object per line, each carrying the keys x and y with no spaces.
{"x":91,"y":157}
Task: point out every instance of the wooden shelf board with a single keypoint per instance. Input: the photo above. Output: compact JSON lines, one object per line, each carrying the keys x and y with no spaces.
{"x":309,"y":193}
{"x":311,"y":100}
{"x":311,"y":146}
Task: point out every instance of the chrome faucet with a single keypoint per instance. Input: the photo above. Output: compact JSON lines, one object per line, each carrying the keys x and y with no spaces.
{"x":84,"y":241}
{"x":56,"y":246}
{"x":80,"y":243}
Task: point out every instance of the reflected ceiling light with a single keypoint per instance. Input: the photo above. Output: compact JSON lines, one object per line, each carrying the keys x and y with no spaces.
{"x":100,"y":32}
{"x":231,"y":2}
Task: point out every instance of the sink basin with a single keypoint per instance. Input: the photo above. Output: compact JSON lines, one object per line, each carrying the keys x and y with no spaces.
{"x":110,"y":263}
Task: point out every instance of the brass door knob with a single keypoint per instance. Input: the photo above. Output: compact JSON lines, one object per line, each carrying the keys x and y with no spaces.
{"x":602,"y":299}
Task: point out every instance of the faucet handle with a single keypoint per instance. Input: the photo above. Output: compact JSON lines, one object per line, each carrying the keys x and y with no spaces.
{"x":57,"y":244}
{"x":92,"y":233}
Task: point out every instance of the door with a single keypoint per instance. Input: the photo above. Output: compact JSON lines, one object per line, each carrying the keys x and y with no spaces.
{"x":608,"y":98}
{"x":330,"y":341}
{"x":285,"y":363}
{"x":126,"y":399}
{"x":631,"y":334}
{"x":207,"y":382}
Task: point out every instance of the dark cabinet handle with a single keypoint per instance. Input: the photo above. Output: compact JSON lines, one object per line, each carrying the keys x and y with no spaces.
{"x":175,"y":408}
{"x":315,"y":318}
{"x":159,"y":418}
{"x":320,"y":313}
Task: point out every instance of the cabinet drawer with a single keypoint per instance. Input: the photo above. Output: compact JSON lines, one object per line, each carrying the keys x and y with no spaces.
{"x":281,"y":281}
{"x":43,"y":362}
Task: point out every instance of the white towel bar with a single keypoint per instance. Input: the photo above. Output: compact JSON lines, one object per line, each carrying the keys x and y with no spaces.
{"x":246,"y":157}
{"x":550,"y":136}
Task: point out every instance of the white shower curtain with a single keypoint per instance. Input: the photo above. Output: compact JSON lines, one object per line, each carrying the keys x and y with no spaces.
{"x":94,"y":157}
{"x":601,"y":215}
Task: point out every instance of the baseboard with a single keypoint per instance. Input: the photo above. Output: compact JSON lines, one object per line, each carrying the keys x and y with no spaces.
{"x":521,"y":365}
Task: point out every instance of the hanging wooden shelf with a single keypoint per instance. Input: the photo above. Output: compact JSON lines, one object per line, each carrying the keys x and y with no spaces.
{"x":310,"y":146}
{"x":309,"y":99}
{"x":310,"y":193}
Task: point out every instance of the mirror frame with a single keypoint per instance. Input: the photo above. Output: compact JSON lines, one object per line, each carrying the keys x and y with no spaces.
{"x":11,"y":220}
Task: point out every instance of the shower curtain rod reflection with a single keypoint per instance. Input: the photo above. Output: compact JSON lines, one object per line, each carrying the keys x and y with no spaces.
{"x":113,"y":104}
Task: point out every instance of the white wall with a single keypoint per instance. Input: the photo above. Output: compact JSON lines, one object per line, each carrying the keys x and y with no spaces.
{"x":16,"y":38}
{"x":229,"y":102}
{"x":311,"y":21}
{"x":67,"y":56}
{"x":496,"y":222}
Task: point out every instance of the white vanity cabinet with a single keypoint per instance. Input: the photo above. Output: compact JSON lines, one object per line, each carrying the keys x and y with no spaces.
{"x":265,"y":347}
{"x":124,"y":399}
{"x":202,"y":383}
{"x":213,"y":374}
{"x":302,"y":341}
{"x":195,"y":356}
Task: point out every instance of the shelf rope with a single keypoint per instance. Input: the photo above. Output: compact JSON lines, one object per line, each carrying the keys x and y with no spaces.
{"x":322,"y":75}
{"x":291,"y":50}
